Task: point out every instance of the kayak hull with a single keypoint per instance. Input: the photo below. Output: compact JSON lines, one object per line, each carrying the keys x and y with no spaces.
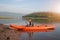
{"x":33,"y":28}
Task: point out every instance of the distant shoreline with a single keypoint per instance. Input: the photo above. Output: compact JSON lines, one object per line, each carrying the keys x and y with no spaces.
{"x":6,"y":18}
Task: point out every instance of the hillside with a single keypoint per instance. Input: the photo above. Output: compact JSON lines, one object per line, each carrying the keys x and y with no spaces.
{"x":43,"y":16}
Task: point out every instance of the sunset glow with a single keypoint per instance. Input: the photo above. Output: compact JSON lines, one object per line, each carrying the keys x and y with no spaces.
{"x":56,"y":8}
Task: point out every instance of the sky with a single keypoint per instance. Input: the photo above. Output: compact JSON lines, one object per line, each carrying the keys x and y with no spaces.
{"x":29,"y":6}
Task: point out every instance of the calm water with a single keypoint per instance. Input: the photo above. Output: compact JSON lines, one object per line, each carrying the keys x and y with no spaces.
{"x":54,"y":35}
{"x":12,"y":21}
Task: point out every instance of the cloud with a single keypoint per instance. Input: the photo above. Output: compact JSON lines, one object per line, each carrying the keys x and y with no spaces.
{"x":25,"y":7}
{"x":19,"y":9}
{"x":16,"y":9}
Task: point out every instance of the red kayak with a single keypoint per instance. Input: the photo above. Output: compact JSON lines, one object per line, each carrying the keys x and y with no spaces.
{"x":33,"y":28}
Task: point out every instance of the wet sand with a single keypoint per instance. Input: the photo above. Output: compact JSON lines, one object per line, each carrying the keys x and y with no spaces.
{"x":8,"y":34}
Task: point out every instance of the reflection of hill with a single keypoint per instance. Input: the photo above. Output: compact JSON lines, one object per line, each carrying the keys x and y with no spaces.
{"x":43,"y":16}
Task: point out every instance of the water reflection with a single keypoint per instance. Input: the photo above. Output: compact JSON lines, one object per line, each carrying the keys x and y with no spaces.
{"x":48,"y":20}
{"x":31,"y":34}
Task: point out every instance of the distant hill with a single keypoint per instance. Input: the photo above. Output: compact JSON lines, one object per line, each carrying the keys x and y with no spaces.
{"x":37,"y":14}
{"x":43,"y":16}
{"x":10,"y":14}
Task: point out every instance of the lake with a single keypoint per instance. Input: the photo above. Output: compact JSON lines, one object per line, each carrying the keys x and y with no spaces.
{"x":54,"y":35}
{"x":12,"y":21}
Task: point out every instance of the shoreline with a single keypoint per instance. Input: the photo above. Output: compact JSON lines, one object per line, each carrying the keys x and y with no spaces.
{"x":8,"y":34}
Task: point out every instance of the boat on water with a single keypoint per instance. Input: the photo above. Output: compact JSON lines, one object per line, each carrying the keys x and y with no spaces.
{"x":33,"y":28}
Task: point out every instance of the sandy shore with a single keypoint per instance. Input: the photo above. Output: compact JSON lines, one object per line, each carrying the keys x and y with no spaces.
{"x":8,"y":34}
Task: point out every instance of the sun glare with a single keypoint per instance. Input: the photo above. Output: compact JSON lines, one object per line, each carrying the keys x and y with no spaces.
{"x":57,"y":9}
